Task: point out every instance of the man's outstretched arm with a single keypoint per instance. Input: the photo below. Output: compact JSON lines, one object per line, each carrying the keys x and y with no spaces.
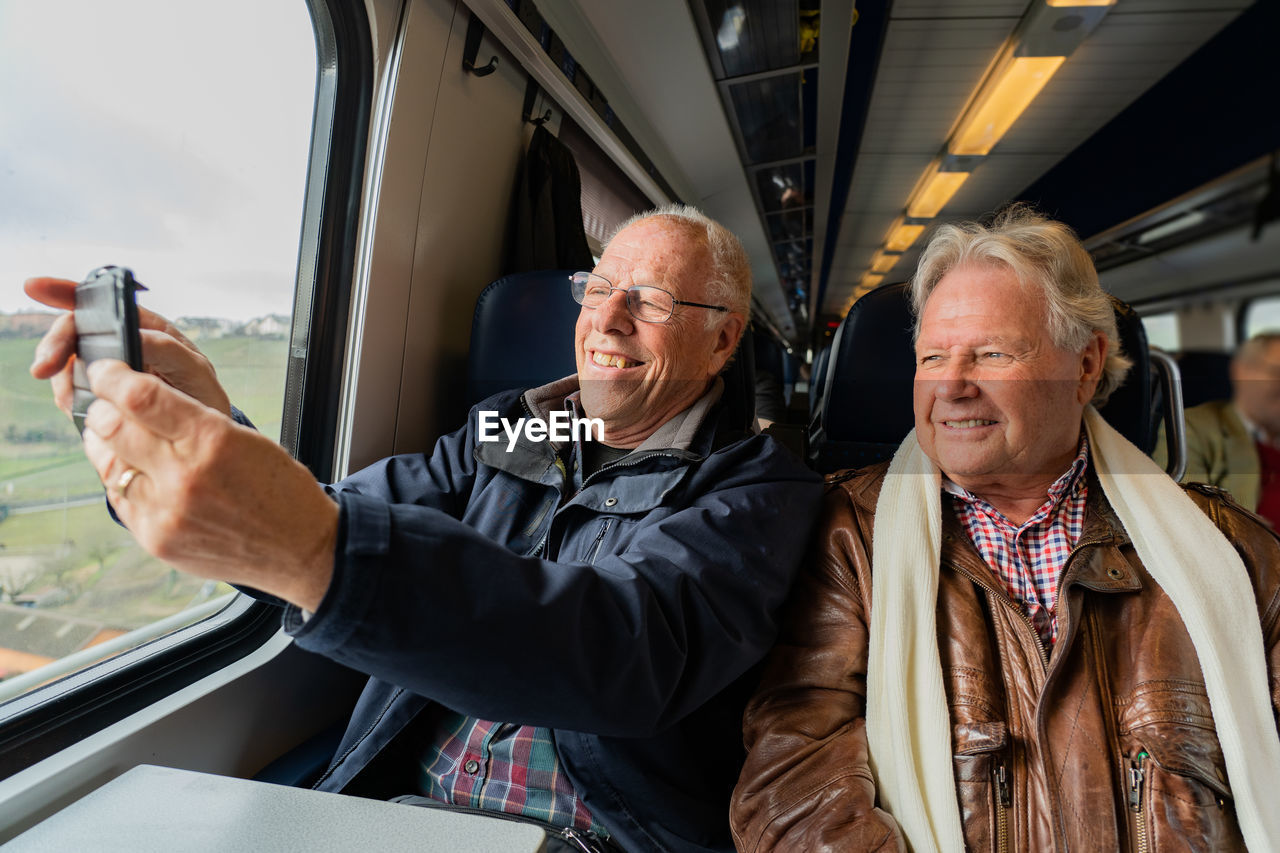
{"x":211,"y":498}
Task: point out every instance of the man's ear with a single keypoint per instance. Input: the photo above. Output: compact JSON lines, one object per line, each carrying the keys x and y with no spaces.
{"x":726,"y":341}
{"x":1092,"y":360}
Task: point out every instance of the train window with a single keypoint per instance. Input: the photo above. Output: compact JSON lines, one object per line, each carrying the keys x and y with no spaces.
{"x":1162,"y":330}
{"x":1261,"y":315}
{"x":173,"y":139}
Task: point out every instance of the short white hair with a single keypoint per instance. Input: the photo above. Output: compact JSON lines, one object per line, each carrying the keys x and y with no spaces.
{"x":730,"y":284}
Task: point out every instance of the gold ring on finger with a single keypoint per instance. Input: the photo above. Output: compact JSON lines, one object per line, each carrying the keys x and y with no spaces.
{"x":122,"y":484}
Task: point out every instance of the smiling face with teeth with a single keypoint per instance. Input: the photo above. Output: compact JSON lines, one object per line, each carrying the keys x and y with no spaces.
{"x":635,"y":376}
{"x":998,"y":405}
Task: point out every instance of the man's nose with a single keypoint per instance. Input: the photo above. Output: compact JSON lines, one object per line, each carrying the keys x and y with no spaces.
{"x":954,"y":381}
{"x":612,"y":315}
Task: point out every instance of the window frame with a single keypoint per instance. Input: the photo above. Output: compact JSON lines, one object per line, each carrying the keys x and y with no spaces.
{"x":1171,"y":312}
{"x":49,"y":718}
{"x":1242,"y":314}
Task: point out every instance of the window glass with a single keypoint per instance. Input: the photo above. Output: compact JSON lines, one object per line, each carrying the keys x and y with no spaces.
{"x":1162,"y":330}
{"x":171,"y":138}
{"x":1261,"y":315}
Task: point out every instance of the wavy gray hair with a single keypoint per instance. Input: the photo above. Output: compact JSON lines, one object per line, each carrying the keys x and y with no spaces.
{"x":1042,"y":253}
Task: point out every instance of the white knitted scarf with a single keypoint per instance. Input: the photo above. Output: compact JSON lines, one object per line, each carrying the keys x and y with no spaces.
{"x":908,"y":723}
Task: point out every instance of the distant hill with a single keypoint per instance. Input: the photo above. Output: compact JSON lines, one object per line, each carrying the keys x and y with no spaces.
{"x":274,"y":326}
{"x":33,"y":324}
{"x":28,"y":324}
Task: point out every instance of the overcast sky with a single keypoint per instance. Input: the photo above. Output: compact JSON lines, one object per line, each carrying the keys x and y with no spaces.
{"x":170,"y":136}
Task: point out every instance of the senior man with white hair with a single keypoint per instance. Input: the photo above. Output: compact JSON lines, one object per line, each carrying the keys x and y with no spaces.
{"x":1020,"y":634}
{"x":560,"y":630}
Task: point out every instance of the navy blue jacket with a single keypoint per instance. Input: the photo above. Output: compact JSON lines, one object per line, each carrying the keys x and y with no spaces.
{"x":625,"y":616}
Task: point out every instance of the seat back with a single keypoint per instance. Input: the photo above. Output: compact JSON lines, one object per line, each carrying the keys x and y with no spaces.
{"x":818,"y":379}
{"x":1206,"y":376}
{"x":867,"y":407}
{"x":521,"y":333}
{"x":866,"y":396}
{"x":739,"y":397}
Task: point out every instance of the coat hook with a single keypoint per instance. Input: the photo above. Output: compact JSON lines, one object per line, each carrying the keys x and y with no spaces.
{"x":531,"y":97}
{"x":475,"y":32}
{"x":483,"y":70}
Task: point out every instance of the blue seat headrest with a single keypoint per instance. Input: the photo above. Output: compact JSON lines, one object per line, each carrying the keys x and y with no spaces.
{"x":521,"y":334}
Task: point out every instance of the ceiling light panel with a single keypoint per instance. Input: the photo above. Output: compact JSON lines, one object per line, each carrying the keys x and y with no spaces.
{"x":934,"y":191}
{"x":927,"y":71}
{"x":1012,"y":89}
{"x":902,"y":235}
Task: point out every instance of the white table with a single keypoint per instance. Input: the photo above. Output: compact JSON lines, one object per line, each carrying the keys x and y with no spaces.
{"x":152,"y":809}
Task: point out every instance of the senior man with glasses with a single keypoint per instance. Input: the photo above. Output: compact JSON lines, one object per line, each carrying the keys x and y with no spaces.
{"x":558,"y":630}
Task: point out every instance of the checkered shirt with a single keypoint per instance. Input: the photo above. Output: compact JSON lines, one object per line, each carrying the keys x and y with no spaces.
{"x":1029,"y":559}
{"x":501,"y":767}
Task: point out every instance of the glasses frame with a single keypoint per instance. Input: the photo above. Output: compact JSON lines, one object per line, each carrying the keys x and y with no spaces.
{"x":627,"y":291}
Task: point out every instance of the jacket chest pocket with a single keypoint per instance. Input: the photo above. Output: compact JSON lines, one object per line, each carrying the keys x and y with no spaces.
{"x":1173,"y":772}
{"x":514,"y":515}
{"x":984,"y":784}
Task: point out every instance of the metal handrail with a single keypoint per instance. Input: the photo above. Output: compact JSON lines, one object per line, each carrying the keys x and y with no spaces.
{"x":1175,"y":434}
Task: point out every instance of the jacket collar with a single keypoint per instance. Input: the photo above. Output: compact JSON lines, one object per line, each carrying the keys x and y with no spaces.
{"x":682,"y":437}
{"x":1104,"y":568}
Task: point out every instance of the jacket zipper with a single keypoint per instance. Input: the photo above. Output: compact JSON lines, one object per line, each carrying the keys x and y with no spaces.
{"x":1003,"y":595}
{"x":1004,"y":799}
{"x":595,"y":546}
{"x":1137,"y":785}
{"x":684,"y":456}
{"x":584,"y":841}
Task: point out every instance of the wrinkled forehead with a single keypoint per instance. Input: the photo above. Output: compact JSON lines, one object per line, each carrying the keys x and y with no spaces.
{"x":989,"y":297}
{"x":658,"y":251}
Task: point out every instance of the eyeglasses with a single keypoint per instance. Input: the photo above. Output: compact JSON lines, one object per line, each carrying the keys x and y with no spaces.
{"x":645,"y":302}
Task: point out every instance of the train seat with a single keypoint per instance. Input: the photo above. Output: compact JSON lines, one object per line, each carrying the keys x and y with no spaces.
{"x":521,"y":333}
{"x":818,"y":380}
{"x":867,"y":409}
{"x":1206,"y":376}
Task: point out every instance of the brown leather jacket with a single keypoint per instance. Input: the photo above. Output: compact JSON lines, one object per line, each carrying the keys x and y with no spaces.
{"x":1105,"y":743}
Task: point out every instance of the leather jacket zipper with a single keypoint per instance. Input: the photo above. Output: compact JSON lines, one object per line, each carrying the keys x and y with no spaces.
{"x":1004,"y":799}
{"x":1137,"y":786}
{"x":1003,"y":595}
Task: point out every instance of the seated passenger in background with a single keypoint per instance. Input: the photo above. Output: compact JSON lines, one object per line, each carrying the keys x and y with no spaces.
{"x":1019,"y":634}
{"x":562,"y":629}
{"x":1235,"y":444}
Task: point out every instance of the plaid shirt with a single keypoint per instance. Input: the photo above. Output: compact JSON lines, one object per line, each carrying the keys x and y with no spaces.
{"x":1029,"y":559}
{"x":501,"y":767}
